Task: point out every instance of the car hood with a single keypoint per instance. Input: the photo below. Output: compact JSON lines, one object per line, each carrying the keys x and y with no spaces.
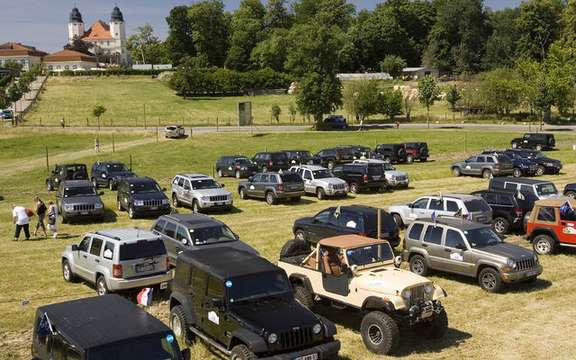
{"x":150,"y":196}
{"x":394,"y":173}
{"x":122,"y":174}
{"x":238,"y":245}
{"x":213,"y":192}
{"x":82,"y":200}
{"x":274,"y":314}
{"x":303,"y":221}
{"x":506,"y":250}
{"x":389,"y":280}
{"x":328,"y":181}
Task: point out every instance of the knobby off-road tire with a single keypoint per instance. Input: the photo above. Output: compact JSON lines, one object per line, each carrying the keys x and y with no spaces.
{"x":380,"y":333}
{"x":304,"y":296}
{"x":436,"y":328}
{"x":544,"y":244}
{"x":180,"y":325}
{"x":241,"y":352}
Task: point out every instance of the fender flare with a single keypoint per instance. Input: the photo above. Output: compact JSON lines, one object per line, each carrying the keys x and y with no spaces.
{"x":374,"y":302}
{"x":542,"y":231}
{"x":254,"y":342}
{"x":182,"y":300}
{"x":303,"y":279}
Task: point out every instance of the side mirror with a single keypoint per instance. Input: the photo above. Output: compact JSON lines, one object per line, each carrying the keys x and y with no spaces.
{"x":185,"y":354}
{"x":74,"y":247}
{"x":163,"y":189}
{"x":101,"y":193}
{"x":397,"y":261}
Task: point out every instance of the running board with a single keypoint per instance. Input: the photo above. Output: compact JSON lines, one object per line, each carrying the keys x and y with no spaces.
{"x":568,"y":245}
{"x":210,"y":341}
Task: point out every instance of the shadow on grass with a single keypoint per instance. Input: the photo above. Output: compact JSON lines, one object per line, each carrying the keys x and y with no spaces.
{"x":453,"y":127}
{"x":518,"y":287}
{"x":560,"y":129}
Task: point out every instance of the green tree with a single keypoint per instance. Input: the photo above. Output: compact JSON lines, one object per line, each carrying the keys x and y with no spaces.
{"x":568,"y":24}
{"x":326,"y":12}
{"x":210,"y":28}
{"x":271,"y":52}
{"x":14,"y":93}
{"x":393,"y":65}
{"x":390,"y":103}
{"x":144,"y":46}
{"x":292,"y":109}
{"x":428,"y":92}
{"x":453,"y":96}
{"x":318,"y":95}
{"x":501,"y":44}
{"x":500,"y":91}
{"x":246,"y":31}
{"x":275,"y":111}
{"x":539,"y":25}
{"x":277,"y":15}
{"x":98,"y":111}
{"x":180,"y":41}
{"x":361,"y":98}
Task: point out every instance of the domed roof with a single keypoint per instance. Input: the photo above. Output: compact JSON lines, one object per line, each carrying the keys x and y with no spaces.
{"x":116,"y":15}
{"x":75,"y":15}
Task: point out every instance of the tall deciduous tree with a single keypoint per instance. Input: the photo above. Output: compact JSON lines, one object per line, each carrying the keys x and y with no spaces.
{"x":246,"y":30}
{"x":144,"y":46}
{"x":501,"y":44}
{"x":318,"y":95}
{"x":453,"y":96}
{"x":428,"y":92}
{"x":500,"y":91}
{"x":180,"y":41}
{"x":210,"y":30}
{"x":539,"y":25}
{"x":277,"y":15}
{"x":361,"y":98}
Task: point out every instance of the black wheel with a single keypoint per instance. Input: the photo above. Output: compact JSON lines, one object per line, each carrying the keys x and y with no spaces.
{"x":398,"y":220}
{"x":180,"y":325}
{"x":270,"y":198}
{"x":294,"y":248}
{"x":94,"y":183}
{"x":119,"y":205}
{"x":487,"y":173}
{"x":175,"y":201}
{"x":538,"y":147}
{"x":320,"y":194}
{"x":437,"y":327}
{"x":49,"y":186}
{"x":101,"y":287}
{"x":517,"y":173}
{"x":489,"y":280}
{"x":131,"y":212}
{"x":220,"y":174}
{"x":241,"y":352}
{"x":571,"y":194}
{"x":380,"y":332}
{"x":300,"y":235}
{"x":195,"y":206}
{"x":544,"y":244}
{"x":330,"y":165}
{"x":354,"y":188}
{"x":418,"y":265}
{"x":540,"y":170}
{"x":242,"y":194}
{"x":501,"y":225}
{"x":237,"y":174}
{"x":456,"y":171}
{"x":303,"y":296}
{"x":67,"y":273}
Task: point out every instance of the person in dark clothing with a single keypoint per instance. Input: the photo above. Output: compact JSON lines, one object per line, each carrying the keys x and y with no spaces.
{"x":40,"y":209}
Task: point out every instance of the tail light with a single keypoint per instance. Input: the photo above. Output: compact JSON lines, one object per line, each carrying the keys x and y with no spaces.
{"x":365,"y":178}
{"x":270,"y":163}
{"x":167,"y":262}
{"x":117,"y":270}
{"x":518,"y":212}
{"x":280,"y":187}
{"x":338,"y":156}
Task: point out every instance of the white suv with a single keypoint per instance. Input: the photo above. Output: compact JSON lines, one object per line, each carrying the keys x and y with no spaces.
{"x":200,"y":192}
{"x":394,"y":178}
{"x":320,"y":181}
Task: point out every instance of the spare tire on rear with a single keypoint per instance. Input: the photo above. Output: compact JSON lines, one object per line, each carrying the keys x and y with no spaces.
{"x":294,"y":248}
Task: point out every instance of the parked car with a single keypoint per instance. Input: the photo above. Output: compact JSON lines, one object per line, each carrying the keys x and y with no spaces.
{"x":394,"y":178}
{"x":546,"y":165}
{"x":361,"y":152}
{"x":470,"y":249}
{"x":299,"y":157}
{"x":118,"y":259}
{"x":522,"y":166}
{"x":535,"y":141}
{"x":108,"y":173}
{"x":200,"y":192}
{"x":182,"y":232}
{"x":450,"y":205}
{"x":393,"y":153}
{"x":320,"y":182}
{"x":343,"y":220}
{"x":361,"y":274}
{"x":243,"y":306}
{"x":272,"y":187}
{"x":6,"y":114}
{"x":335,"y":122}
{"x":361,"y":177}
{"x":416,"y":151}
{"x":237,"y":166}
{"x":531,"y":189}
{"x":271,"y":161}
{"x":508,"y":210}
{"x":552,"y":224}
{"x":142,"y":196}
{"x":63,"y":172}
{"x":570,"y":190}
{"x":174,"y":132}
{"x":486,"y":166}
{"x":78,"y":199}
{"x":333,"y":156}
{"x":104,"y":327}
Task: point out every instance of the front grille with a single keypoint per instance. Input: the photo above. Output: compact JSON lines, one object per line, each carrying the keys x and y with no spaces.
{"x":219,"y":198}
{"x":83,"y":207}
{"x":295,"y":338}
{"x":525,"y":264}
{"x":401,"y":178}
{"x":152,"y":202}
{"x":339,"y":186}
{"x":416,"y":295}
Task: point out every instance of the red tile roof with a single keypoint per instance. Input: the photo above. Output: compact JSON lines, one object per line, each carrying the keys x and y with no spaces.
{"x":17,"y":49}
{"x":69,"y":55}
{"x":99,"y":31}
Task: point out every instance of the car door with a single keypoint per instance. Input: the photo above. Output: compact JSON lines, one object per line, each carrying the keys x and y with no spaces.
{"x":322,"y":224}
{"x":418,"y":209}
{"x":456,"y":257}
{"x":567,"y":230}
{"x":477,"y":165}
{"x":81,"y":258}
{"x":468,"y":166}
{"x":213,"y":317}
{"x":107,"y":258}
{"x":170,"y":245}
{"x":182,"y":239}
{"x":334,"y":279}
{"x":348,"y":222}
{"x":432,"y":243}
{"x":435,"y":207}
{"x":307,"y":177}
{"x":169,"y":238}
{"x":94,"y":261}
{"x":265,"y":180}
{"x":228,"y":167}
{"x":451,"y":207}
{"x":251,"y":186}
{"x":187,"y":192}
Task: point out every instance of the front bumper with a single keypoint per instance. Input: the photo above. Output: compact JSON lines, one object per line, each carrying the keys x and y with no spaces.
{"x":323,"y":351}
{"x":398,"y":183}
{"x":424,"y":311}
{"x":124,"y":284}
{"x":516,"y":276}
{"x":336,"y":192}
{"x":216,"y":204}
{"x":152,"y":210}
{"x":552,"y":169}
{"x":86,"y":214}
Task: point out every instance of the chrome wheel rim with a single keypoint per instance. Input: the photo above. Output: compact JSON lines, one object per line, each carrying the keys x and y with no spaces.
{"x":456,"y":172}
{"x":269,"y":198}
{"x":499,"y":226}
{"x":517,"y":173}
{"x":176,"y":326}
{"x":542,"y":247}
{"x":66,"y":272}
{"x":131,"y":212}
{"x":375,"y":334}
{"x":101,"y":287}
{"x":540,"y":171}
{"x":488,"y":280}
{"x":417,"y":266}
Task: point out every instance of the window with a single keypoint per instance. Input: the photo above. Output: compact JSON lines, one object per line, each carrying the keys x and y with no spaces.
{"x":274,"y":179}
{"x":108,"y":250}
{"x":420,"y":203}
{"x":452,"y":206}
{"x":175,"y":181}
{"x":480,"y":159}
{"x":74,"y":67}
{"x":96,"y":247}
{"x":436,"y":204}
{"x":257,"y":178}
{"x":510,"y":186}
{"x":50,"y":67}
{"x":182,"y":235}
{"x":215,"y":288}
{"x":491,"y":198}
{"x":547,"y":214}
{"x":350,"y":220}
{"x":170,"y":230}
{"x":490,"y":159}
{"x":159,"y":226}
{"x":433,"y":234}
{"x":454,"y":240}
{"x":66,"y":67}
{"x":83,"y":246}
{"x":180,"y":182}
{"x":187,"y":185}
{"x":307,"y":175}
{"x":416,"y":231}
{"x":323,"y":217}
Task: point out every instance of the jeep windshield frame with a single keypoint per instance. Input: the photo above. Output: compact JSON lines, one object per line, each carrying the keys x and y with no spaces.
{"x":257,"y":286}
{"x":369,"y":255}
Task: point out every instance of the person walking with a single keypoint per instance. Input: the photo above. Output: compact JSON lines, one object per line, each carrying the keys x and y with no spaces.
{"x":40,"y":209}
{"x":21,"y":220}
{"x":52,"y":217}
{"x":62,"y":123}
{"x":97,"y":144}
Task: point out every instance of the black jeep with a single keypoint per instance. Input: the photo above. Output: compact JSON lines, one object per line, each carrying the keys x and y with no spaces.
{"x":142,"y":196}
{"x":109,"y":173}
{"x":394,"y":153}
{"x":334,"y":156}
{"x":361,"y":176}
{"x":535,"y":141}
{"x":243,"y":305}
{"x":508,"y":209}
{"x":65,"y":172}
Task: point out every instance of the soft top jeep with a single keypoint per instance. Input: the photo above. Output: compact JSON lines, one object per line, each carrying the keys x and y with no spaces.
{"x":242,"y":305}
{"x":552,"y":223}
{"x":361,"y":273}
{"x":536,"y":141}
{"x":65,"y":172}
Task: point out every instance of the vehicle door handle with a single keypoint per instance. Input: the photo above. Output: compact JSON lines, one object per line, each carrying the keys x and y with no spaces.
{"x":424,"y":245}
{"x":85,"y":257}
{"x":447,"y":250}
{"x":98,"y":261}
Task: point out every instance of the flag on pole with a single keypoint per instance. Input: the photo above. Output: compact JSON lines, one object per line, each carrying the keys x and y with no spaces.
{"x":566,"y":208}
{"x":145,"y":297}
{"x":45,"y":326}
{"x":434,"y":217}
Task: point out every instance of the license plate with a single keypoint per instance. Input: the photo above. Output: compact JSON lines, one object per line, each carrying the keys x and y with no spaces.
{"x":163,"y":286}
{"x":144,"y":267}
{"x":154,"y":208}
{"x":532,"y":273}
{"x":376,"y":177}
{"x":84,"y":213}
{"x":308,"y":357}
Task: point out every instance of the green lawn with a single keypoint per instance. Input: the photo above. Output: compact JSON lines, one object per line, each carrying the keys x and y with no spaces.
{"x":521,"y":323}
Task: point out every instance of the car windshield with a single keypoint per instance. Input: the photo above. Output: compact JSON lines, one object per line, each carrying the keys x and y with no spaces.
{"x":388,"y":167}
{"x":546,"y":189}
{"x":144,"y":187}
{"x":155,"y":347}
{"x":212,"y":235}
{"x":477,"y":205}
{"x":482,"y":237}
{"x":79,"y":191}
{"x":367,"y":255}
{"x":204,"y":184}
{"x":322,"y":174}
{"x":116,"y":167}
{"x":242,"y":161}
{"x":291,"y":178}
{"x":257,"y":286}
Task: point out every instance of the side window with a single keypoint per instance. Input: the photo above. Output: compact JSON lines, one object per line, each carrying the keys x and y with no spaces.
{"x":416,"y":231}
{"x":159,"y":226}
{"x":307,"y":175}
{"x":452,"y":206}
{"x":187,"y":185}
{"x":215,"y":288}
{"x":510,"y":186}
{"x":490,"y":159}
{"x":175,"y":181}
{"x":83,"y":246}
{"x":96,"y":246}
{"x":170,"y":230}
{"x":433,"y":234}
{"x":436,"y":204}
{"x":491,"y":198}
{"x":420,"y":203}
{"x":274,"y":179}
{"x":323,"y":217}
{"x":547,"y":214}
{"x":108,"y":250}
{"x":480,"y":159}
{"x":350,"y":220}
{"x":181,"y":182}
{"x":182,"y":235}
{"x":264,"y":178}
{"x":454,"y":240}
{"x":527,"y":189}
{"x":257,"y":178}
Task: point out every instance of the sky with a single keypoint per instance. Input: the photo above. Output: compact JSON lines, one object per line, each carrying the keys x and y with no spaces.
{"x":43,"y":23}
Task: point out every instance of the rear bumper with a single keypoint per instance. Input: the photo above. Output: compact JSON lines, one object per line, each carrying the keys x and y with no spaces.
{"x":324,"y":351}
{"x":289,"y":194}
{"x":521,"y":275}
{"x":124,"y":284}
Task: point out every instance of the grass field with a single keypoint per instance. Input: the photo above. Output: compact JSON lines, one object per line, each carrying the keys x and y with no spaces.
{"x":525,"y":322}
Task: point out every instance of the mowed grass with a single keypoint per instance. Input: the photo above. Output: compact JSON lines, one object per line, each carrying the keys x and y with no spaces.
{"x":526,"y":322}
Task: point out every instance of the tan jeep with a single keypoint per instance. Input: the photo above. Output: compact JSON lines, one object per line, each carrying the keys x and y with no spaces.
{"x":362,"y":273}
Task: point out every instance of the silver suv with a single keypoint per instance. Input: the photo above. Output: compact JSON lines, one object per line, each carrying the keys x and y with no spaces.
{"x":200,"y":192}
{"x":469,"y":249}
{"x":319,"y":181}
{"x":472,"y":207}
{"x":118,"y":259}
{"x":484,"y":165}
{"x":394,"y":178}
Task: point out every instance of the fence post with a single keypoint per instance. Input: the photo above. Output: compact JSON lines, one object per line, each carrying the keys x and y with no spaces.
{"x":113,"y":145}
{"x":47,"y":161}
{"x":130,"y":162}
{"x":144,"y":116}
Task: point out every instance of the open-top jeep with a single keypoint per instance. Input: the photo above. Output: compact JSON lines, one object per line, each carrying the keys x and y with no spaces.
{"x":361,"y":273}
{"x":243,"y":305}
{"x":552,"y":224}
{"x":65,"y":172}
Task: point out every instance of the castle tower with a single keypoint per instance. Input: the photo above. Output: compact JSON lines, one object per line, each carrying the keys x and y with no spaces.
{"x":75,"y":25}
{"x":118,"y":32}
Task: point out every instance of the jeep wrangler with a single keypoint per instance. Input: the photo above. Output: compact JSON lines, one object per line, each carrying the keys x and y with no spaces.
{"x":552,"y":224}
{"x":65,"y":172}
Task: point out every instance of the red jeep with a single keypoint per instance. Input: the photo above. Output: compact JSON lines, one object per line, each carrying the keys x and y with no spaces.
{"x":416,"y":151}
{"x":552,"y":224}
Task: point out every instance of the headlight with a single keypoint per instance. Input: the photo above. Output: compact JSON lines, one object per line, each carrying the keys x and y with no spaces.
{"x":429,"y":288}
{"x":330,"y":186}
{"x":272,"y":338}
{"x":139,"y":202}
{"x":165,"y":202}
{"x":511,"y":263}
{"x":68,"y":207}
{"x":549,"y":164}
{"x":98,"y":206}
{"x":104,"y":176}
{"x":205,"y":198}
{"x":316,"y":329}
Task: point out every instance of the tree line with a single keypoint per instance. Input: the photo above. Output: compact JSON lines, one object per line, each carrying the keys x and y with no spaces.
{"x":14,"y":83}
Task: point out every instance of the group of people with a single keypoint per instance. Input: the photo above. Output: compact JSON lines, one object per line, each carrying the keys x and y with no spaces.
{"x":22,"y":216}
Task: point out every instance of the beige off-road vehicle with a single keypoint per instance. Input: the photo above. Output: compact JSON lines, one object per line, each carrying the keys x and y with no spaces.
{"x":361,"y":273}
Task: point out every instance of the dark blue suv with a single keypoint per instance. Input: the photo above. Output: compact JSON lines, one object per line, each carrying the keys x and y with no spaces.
{"x":522,"y":166}
{"x":109,"y":173}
